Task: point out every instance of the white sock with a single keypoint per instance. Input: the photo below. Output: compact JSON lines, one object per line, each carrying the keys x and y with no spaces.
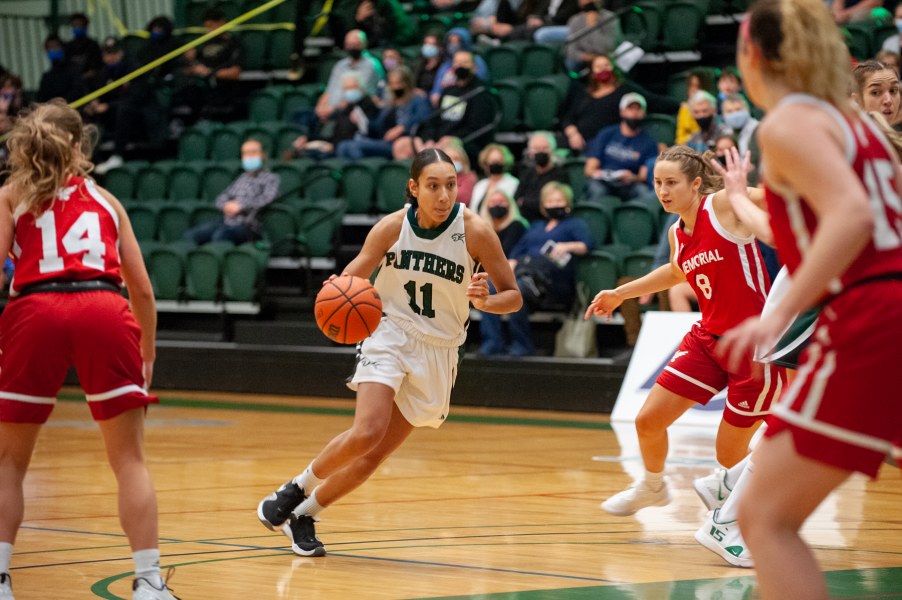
{"x":6,"y":554}
{"x":735,"y":471}
{"x":730,"y":509}
{"x":307,"y":480}
{"x":147,"y":566}
{"x":309,"y":507}
{"x":654,"y":481}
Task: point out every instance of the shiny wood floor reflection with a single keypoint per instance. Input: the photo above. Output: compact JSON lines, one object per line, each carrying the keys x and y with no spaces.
{"x":495,"y":503}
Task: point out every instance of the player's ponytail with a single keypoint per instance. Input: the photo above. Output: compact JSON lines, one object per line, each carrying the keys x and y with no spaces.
{"x":423,"y":159}
{"x":692,"y":165}
{"x":46,"y":146}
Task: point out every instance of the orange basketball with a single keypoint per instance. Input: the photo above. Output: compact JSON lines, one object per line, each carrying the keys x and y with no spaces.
{"x":348,"y":309}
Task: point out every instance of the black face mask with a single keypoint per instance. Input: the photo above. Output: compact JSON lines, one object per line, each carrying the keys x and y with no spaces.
{"x":542,"y":159}
{"x":705,"y":122}
{"x":633,"y":124}
{"x":355,"y":53}
{"x":496,"y":168}
{"x":462,"y":73}
{"x":399,"y":92}
{"x":498,"y":212}
{"x":557,"y":213}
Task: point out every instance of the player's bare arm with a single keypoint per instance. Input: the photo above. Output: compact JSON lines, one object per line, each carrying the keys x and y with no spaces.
{"x":484,"y":246}
{"x":134,"y":274}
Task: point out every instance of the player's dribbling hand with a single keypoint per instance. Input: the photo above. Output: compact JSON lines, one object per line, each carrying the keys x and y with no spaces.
{"x":478,"y":290}
{"x":605,"y":302}
{"x":334,"y":276}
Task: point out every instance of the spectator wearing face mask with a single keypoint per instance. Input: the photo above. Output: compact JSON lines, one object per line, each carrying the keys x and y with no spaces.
{"x":541,"y":166}
{"x":431,"y":58}
{"x":894,"y":42}
{"x":728,"y":84}
{"x":352,"y":118}
{"x":10,"y":95}
{"x":62,"y":80}
{"x":617,"y":159}
{"x":703,"y":107}
{"x":357,"y":62}
{"x":467,"y":111}
{"x":738,"y":117}
{"x":495,"y":161}
{"x":83,"y":51}
{"x":241,"y":202}
{"x":403,"y":110}
{"x":466,"y":178}
{"x":594,"y":104}
{"x":456,"y":40}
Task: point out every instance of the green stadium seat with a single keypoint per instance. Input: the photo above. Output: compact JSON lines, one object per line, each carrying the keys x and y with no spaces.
{"x":537,"y":60}
{"x":215,"y":179}
{"x":185,"y":182}
{"x":320,"y":181}
{"x":510,"y":98}
{"x":225,"y":143}
{"x":253,"y":48}
{"x":596,"y":271}
{"x":144,"y":219}
{"x":391,"y":186}
{"x":358,"y":184}
{"x":278,"y":224}
{"x":151,"y":181}
{"x":167,"y":271}
{"x":264,"y":105}
{"x":576,"y":174}
{"x":661,"y":127}
{"x":681,"y":24}
{"x":120,"y":181}
{"x":502,"y":61}
{"x":280,"y":48}
{"x":638,"y":263}
{"x":540,"y":105}
{"x":203,"y":273}
{"x":264,"y":135}
{"x":194,"y":144}
{"x":635,"y":225}
{"x":201,"y":213}
{"x":596,"y":219}
{"x":317,"y":227}
{"x":284,"y":138}
{"x":290,"y":179}
{"x":173,"y":221}
{"x":642,"y":25}
{"x":242,"y":273}
{"x":295,"y":101}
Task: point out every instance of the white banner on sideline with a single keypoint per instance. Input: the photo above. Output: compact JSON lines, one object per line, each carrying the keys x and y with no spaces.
{"x":659,"y":338}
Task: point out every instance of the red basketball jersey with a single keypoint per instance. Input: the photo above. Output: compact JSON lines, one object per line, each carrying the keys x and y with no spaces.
{"x":75,"y":240}
{"x":794,"y":223}
{"x":725,"y":271}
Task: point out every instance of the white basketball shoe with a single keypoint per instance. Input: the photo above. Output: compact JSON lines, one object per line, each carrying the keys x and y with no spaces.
{"x":6,"y":587}
{"x":639,"y":496}
{"x":724,"y":540}
{"x":712,"y":489}
{"x":145,"y":590}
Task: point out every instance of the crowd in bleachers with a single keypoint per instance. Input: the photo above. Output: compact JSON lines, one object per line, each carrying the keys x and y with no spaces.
{"x":493,"y":83}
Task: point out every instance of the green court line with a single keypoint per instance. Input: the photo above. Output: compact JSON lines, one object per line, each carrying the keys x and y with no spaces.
{"x":315,"y":410}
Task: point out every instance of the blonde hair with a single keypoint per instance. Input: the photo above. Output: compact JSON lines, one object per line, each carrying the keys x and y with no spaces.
{"x":506,"y":157}
{"x":802,"y":47}
{"x":513,"y":212}
{"x":893,"y":137}
{"x":46,"y":146}
{"x":555,"y":186}
{"x":692,"y":165}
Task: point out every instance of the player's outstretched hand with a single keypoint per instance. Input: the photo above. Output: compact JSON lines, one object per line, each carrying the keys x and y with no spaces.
{"x":334,"y":276}
{"x":478,"y":290}
{"x":605,"y":302}
{"x":736,"y":174}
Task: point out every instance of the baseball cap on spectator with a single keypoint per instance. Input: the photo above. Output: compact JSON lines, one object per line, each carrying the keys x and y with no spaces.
{"x":111,"y":45}
{"x":632,"y":98}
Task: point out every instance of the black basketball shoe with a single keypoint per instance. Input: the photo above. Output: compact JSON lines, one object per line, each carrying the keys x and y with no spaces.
{"x":302,"y":533}
{"x":275,"y":509}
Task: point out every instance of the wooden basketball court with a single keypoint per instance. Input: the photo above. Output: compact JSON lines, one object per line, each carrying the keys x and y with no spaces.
{"x":495,"y":504}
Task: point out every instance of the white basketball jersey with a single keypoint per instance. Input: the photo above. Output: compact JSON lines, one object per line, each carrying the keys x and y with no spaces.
{"x":423,"y":278}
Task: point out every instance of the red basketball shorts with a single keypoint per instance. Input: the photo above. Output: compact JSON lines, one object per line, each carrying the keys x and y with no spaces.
{"x":696,"y":373}
{"x":42,"y":335}
{"x":845,"y":406}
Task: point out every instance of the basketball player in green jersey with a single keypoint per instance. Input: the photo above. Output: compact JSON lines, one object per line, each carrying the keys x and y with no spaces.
{"x":426,"y":256}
